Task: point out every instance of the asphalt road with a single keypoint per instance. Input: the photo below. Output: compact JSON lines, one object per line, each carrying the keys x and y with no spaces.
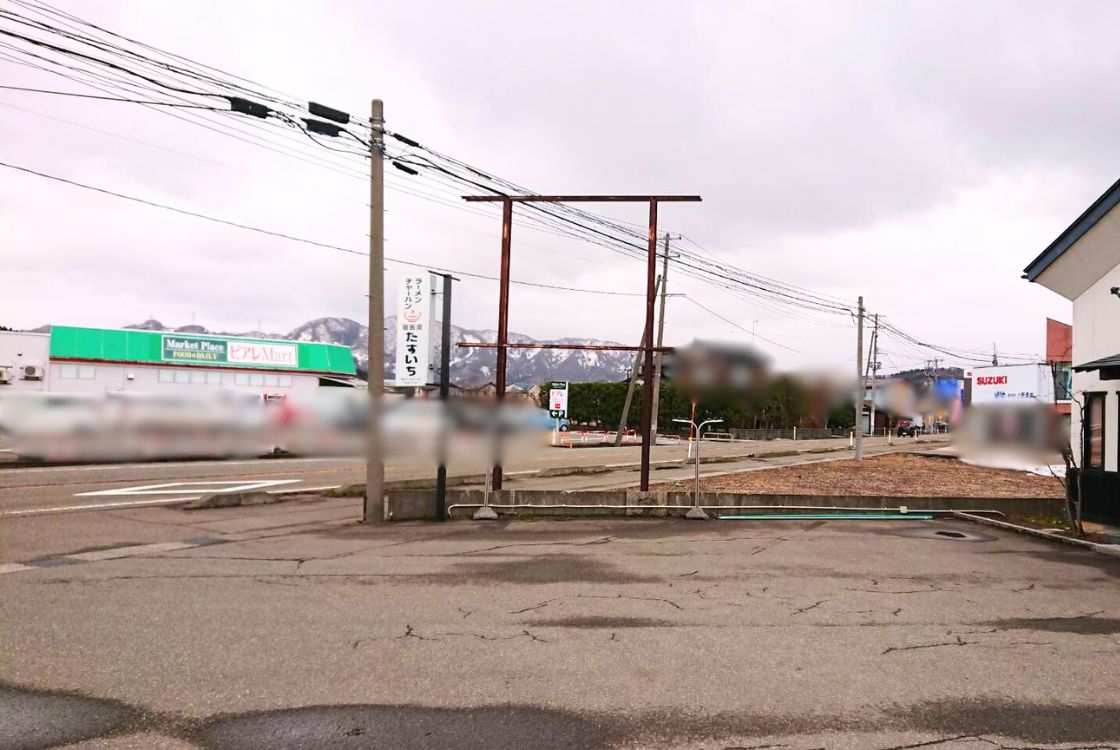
{"x":576,"y":634}
{"x":33,"y":490}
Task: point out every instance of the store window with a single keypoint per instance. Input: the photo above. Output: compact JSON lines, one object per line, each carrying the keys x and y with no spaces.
{"x":77,"y":372}
{"x":166,"y":376}
{"x":1093,"y":448}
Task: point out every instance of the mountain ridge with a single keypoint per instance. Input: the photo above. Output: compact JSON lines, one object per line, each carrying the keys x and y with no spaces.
{"x":469,"y":366}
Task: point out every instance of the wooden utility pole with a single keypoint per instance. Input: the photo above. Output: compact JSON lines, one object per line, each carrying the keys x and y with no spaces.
{"x":444,"y":396}
{"x":374,"y":510}
{"x":660,"y":339}
{"x":633,"y":383}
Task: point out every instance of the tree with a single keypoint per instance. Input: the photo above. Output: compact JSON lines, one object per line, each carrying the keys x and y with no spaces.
{"x":842,"y":417}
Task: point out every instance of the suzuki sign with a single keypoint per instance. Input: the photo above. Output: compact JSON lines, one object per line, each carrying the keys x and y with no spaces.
{"x":1000,"y":384}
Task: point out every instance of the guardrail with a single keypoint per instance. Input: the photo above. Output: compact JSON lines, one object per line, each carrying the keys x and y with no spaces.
{"x":592,"y":437}
{"x":794,"y":433}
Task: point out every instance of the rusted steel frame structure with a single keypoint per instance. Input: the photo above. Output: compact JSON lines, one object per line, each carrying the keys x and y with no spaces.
{"x":502,"y":345}
{"x":581,"y":347}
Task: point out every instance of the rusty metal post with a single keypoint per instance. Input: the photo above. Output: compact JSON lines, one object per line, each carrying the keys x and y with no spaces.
{"x":503,"y":344}
{"x":647,"y":381}
{"x":503,"y":326}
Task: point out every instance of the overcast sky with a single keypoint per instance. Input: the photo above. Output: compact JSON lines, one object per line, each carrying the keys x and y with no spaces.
{"x":919,"y":154}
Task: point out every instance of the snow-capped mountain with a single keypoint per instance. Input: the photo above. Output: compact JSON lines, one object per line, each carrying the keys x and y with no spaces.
{"x":468,"y":366}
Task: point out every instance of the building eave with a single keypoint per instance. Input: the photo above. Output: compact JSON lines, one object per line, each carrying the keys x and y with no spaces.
{"x":1073,"y":232}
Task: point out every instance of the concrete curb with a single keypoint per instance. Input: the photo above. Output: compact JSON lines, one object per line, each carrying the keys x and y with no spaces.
{"x":1112,"y":550}
{"x":232,"y":500}
{"x":420,"y":504}
{"x":253,"y":497}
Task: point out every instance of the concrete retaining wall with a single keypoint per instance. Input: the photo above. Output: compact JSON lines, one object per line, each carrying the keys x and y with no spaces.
{"x":409,"y":505}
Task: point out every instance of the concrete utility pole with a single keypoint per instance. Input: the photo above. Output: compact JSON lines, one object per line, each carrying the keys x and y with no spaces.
{"x":633,"y":380}
{"x":374,"y":511}
{"x":660,"y":340}
{"x":873,"y":370}
{"x":858,"y":429}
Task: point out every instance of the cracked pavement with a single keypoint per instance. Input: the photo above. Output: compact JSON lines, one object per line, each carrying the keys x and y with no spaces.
{"x":309,"y":631}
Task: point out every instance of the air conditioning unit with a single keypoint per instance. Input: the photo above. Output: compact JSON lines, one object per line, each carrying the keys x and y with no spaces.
{"x":32,"y":372}
{"x":5,"y":375}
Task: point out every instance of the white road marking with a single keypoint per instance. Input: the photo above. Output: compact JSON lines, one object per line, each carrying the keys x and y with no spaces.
{"x":209,"y":486}
{"x":97,"y":506}
{"x":139,"y":549}
{"x":13,"y":568}
{"x":149,"y":503}
{"x":169,"y":464}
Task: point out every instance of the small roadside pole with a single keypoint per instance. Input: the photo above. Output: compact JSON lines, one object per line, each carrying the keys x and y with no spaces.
{"x":691,"y":421}
{"x":486,"y":513}
{"x":444,"y":396}
{"x":696,"y":513}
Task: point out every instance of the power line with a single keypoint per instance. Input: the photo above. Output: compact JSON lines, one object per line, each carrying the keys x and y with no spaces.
{"x":610,"y":234}
{"x":304,"y":240}
{"x":731,"y":322}
{"x":173,"y":76}
{"x":112,"y":98}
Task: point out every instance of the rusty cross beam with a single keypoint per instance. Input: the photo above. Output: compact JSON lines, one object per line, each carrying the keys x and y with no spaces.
{"x":503,"y":344}
{"x":584,"y":198}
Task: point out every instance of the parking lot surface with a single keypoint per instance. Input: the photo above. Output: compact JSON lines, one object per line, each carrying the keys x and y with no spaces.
{"x":558,"y":634}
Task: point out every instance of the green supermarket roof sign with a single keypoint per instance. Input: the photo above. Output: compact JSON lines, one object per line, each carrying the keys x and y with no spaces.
{"x":155,"y":347}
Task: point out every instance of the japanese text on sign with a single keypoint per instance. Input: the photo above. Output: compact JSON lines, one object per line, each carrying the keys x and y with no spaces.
{"x":414,"y":322}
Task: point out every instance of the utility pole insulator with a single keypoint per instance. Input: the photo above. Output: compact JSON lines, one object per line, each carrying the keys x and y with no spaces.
{"x":247,"y":107}
{"x":328,"y":113}
{"x":407,"y":141}
{"x":323,"y":128}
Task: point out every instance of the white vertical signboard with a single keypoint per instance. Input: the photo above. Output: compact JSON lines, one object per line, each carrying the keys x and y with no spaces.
{"x":558,"y":399}
{"x":415,"y":320}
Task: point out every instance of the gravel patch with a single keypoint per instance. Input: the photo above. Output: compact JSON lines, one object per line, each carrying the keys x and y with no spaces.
{"x":895,"y":474}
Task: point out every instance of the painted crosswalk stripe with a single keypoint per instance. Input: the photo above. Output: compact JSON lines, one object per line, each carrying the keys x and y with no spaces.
{"x":113,"y":553}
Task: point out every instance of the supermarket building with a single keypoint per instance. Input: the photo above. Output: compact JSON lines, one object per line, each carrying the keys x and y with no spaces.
{"x":100,"y":360}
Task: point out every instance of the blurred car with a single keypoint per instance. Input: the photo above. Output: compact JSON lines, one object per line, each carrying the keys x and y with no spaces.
{"x":907,"y":428}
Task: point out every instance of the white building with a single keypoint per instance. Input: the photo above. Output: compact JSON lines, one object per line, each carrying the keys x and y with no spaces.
{"x":104,"y":360}
{"x":1083,"y":265}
